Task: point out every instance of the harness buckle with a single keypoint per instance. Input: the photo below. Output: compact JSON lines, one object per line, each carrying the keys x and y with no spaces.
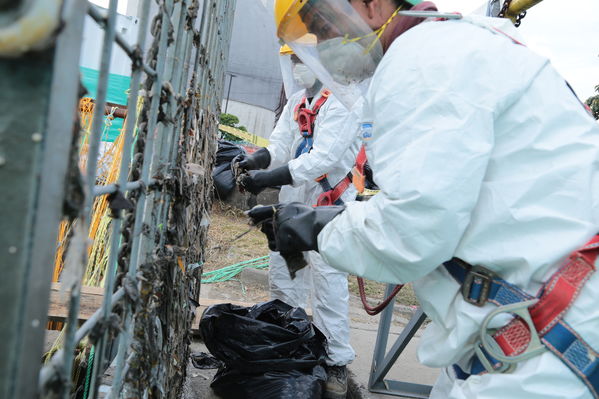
{"x":535,"y":346}
{"x":480,"y":276}
{"x":492,"y":368}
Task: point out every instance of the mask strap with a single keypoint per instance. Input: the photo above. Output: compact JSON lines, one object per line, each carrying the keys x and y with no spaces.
{"x":378,"y":33}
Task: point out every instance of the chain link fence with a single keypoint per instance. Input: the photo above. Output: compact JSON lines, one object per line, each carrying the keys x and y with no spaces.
{"x":159,"y":203}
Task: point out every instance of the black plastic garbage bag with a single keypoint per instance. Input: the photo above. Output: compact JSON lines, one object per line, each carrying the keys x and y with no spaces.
{"x":227,"y":151}
{"x":224,"y":181}
{"x":292,"y":384}
{"x":270,"y":347}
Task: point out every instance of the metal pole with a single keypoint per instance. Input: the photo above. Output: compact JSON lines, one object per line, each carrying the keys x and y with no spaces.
{"x":231,"y":76}
{"x":24,"y":101}
{"x":382,"y":361}
{"x":34,"y":132}
{"x":143,"y":208}
{"x":385,"y":364}
{"x":122,"y":180}
{"x":382,"y":336}
{"x":160,"y":163}
{"x":92,"y":158}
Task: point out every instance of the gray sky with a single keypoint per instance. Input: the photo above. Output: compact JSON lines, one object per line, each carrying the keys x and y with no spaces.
{"x":568,"y":37}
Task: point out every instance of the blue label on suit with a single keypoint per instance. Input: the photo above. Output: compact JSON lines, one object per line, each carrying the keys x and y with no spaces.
{"x":366,"y":131}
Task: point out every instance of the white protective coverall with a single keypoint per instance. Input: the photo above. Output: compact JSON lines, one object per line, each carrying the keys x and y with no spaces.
{"x":334,"y":151}
{"x":481,"y":152}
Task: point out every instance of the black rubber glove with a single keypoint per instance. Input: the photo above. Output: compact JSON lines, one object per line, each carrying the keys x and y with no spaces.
{"x":293,"y":227}
{"x":258,"y":160}
{"x":297,"y":225}
{"x":258,"y":181}
{"x":263,"y":216}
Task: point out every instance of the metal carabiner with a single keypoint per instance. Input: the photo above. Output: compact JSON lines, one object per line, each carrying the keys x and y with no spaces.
{"x":535,"y":346}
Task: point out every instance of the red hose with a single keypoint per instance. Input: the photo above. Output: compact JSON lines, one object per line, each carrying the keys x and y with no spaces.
{"x":373,"y":311}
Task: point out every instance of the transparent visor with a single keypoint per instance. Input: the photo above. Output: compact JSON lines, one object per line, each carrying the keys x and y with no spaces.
{"x":289,"y":83}
{"x":331,"y":38}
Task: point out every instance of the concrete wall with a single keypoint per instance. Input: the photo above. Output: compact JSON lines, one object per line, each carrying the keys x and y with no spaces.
{"x":253,"y":81}
{"x":259,"y":121}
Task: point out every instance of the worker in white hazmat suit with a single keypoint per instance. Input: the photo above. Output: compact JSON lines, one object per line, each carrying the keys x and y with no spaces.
{"x":488,"y":166}
{"x":323,"y":148}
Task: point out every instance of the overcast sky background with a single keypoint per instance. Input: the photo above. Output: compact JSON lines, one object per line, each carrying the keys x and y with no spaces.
{"x":568,"y":36}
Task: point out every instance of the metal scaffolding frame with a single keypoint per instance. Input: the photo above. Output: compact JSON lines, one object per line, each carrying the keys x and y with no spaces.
{"x":183,"y":75}
{"x":382,"y":361}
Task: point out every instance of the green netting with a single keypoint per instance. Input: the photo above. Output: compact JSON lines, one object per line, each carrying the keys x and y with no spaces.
{"x":118,"y":86}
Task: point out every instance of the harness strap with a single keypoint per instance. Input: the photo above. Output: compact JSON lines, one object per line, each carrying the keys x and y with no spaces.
{"x":332,"y":195}
{"x":358,"y":175}
{"x":305,"y":119}
{"x":545,"y":325}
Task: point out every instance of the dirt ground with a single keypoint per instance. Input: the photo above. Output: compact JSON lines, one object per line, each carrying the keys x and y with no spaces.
{"x":228,"y":222}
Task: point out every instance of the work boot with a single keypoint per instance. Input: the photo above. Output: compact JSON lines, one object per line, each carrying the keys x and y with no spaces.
{"x":336,"y":385}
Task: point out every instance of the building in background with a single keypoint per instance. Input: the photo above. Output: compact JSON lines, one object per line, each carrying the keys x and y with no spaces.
{"x":253,"y":82}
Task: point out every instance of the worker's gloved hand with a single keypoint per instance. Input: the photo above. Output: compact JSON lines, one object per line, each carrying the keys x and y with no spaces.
{"x":263,"y":217}
{"x":255,"y":182}
{"x":258,"y":160}
{"x":296,"y":226}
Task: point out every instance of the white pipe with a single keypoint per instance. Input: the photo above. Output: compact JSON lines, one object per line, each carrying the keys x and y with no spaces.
{"x":34,"y":28}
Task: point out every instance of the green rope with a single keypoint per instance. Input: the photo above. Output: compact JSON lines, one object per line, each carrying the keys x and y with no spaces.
{"x":88,"y":371}
{"x":229,"y":272}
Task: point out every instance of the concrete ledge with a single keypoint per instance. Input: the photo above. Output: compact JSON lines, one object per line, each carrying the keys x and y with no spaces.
{"x":255,"y":276}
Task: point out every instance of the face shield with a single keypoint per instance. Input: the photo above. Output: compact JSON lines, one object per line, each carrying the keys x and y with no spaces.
{"x":331,"y":38}
{"x":296,"y":75}
{"x":290,"y":85}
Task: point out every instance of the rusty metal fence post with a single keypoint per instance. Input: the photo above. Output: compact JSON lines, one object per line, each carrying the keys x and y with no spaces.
{"x":155,"y":247}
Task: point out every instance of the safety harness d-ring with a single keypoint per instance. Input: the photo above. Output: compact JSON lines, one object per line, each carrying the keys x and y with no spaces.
{"x":535,"y":346}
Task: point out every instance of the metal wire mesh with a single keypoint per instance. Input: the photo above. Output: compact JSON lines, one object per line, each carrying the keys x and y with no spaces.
{"x":160,"y":200}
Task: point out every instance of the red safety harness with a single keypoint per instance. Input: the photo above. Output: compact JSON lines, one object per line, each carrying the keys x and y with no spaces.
{"x":332,"y":195}
{"x":539,"y":324}
{"x":306,"y":117}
